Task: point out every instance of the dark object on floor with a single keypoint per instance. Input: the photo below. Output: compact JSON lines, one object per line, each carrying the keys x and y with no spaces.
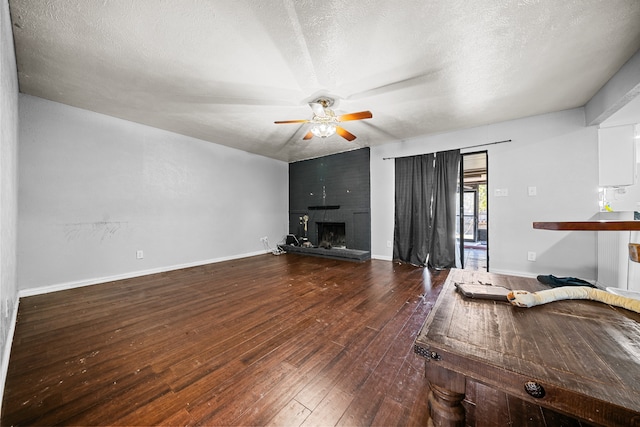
{"x":292,"y":240}
{"x":556,"y":282}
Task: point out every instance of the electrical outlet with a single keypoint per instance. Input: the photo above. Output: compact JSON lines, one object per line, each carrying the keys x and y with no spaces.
{"x":389,"y":243}
{"x":139,"y":254}
{"x":6,"y":307}
{"x":532,"y":191}
{"x":263,"y":239}
{"x":531,"y":256}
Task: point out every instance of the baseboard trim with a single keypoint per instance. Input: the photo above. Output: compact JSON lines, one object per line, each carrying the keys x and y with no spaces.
{"x":382,"y":257}
{"x":98,"y":280}
{"x":6,"y":352}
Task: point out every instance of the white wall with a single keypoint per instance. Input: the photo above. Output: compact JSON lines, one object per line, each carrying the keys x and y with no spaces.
{"x":8,"y":187}
{"x":94,"y":189}
{"x":555,"y":152}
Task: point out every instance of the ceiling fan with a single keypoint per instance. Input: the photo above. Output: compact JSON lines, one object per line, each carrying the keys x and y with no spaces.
{"x":325,"y":122}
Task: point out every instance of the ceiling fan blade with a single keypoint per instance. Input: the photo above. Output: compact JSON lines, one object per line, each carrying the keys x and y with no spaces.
{"x":345,"y":133}
{"x":284,"y":122}
{"x":355,"y":116}
{"x":318,"y":109}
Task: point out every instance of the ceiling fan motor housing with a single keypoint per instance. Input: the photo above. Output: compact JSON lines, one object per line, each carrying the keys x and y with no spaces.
{"x":324,"y":101}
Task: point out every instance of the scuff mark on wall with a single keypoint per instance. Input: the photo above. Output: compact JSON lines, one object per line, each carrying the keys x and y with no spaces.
{"x":100,"y":230}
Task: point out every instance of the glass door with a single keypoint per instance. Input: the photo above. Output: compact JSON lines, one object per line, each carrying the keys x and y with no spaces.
{"x":472,"y":217}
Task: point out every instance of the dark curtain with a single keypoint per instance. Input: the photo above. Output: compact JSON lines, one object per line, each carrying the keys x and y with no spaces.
{"x":425,"y":209}
{"x":414,"y":184}
{"x":442,"y":248}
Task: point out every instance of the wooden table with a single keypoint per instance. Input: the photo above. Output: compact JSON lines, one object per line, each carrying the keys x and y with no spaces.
{"x":583,"y":357}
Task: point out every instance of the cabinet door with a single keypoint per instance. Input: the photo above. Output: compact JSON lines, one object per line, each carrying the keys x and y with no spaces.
{"x":616,"y":156}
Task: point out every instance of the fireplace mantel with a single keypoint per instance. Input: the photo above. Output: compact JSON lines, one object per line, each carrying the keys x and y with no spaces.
{"x":323,"y":207}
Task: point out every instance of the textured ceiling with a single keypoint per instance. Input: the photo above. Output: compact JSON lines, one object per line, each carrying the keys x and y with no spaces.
{"x":225,"y":70}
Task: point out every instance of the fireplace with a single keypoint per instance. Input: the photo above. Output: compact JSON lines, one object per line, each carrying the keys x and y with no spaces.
{"x":332,"y":232}
{"x":330,"y":201}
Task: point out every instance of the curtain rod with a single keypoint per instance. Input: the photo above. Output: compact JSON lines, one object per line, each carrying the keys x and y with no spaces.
{"x":462,"y":148}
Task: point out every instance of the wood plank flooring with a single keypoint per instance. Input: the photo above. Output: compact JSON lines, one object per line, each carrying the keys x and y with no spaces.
{"x":284,"y":340}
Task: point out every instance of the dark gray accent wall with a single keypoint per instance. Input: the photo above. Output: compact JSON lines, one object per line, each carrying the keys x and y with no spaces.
{"x":333,"y":188}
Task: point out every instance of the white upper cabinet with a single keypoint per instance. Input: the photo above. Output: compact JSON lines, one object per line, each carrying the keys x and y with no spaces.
{"x":616,"y":156}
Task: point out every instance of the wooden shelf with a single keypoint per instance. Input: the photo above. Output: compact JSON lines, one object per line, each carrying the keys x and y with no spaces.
{"x":588,"y":225}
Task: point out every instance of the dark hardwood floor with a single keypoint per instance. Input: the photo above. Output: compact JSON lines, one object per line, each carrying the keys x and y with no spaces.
{"x":269,"y":340}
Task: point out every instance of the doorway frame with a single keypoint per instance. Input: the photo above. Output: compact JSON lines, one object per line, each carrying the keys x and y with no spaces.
{"x":461,"y":192}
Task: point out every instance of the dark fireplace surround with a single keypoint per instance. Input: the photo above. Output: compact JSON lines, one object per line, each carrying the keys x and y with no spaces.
{"x":333,"y":194}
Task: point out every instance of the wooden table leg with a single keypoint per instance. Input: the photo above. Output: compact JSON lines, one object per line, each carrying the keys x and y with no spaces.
{"x":446,"y":396}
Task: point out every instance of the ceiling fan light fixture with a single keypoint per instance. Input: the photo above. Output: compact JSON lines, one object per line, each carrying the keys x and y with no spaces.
{"x":325,"y":123}
{"x":323,"y":130}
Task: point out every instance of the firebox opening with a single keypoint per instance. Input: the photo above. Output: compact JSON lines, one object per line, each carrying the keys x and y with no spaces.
{"x":332,"y":232}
